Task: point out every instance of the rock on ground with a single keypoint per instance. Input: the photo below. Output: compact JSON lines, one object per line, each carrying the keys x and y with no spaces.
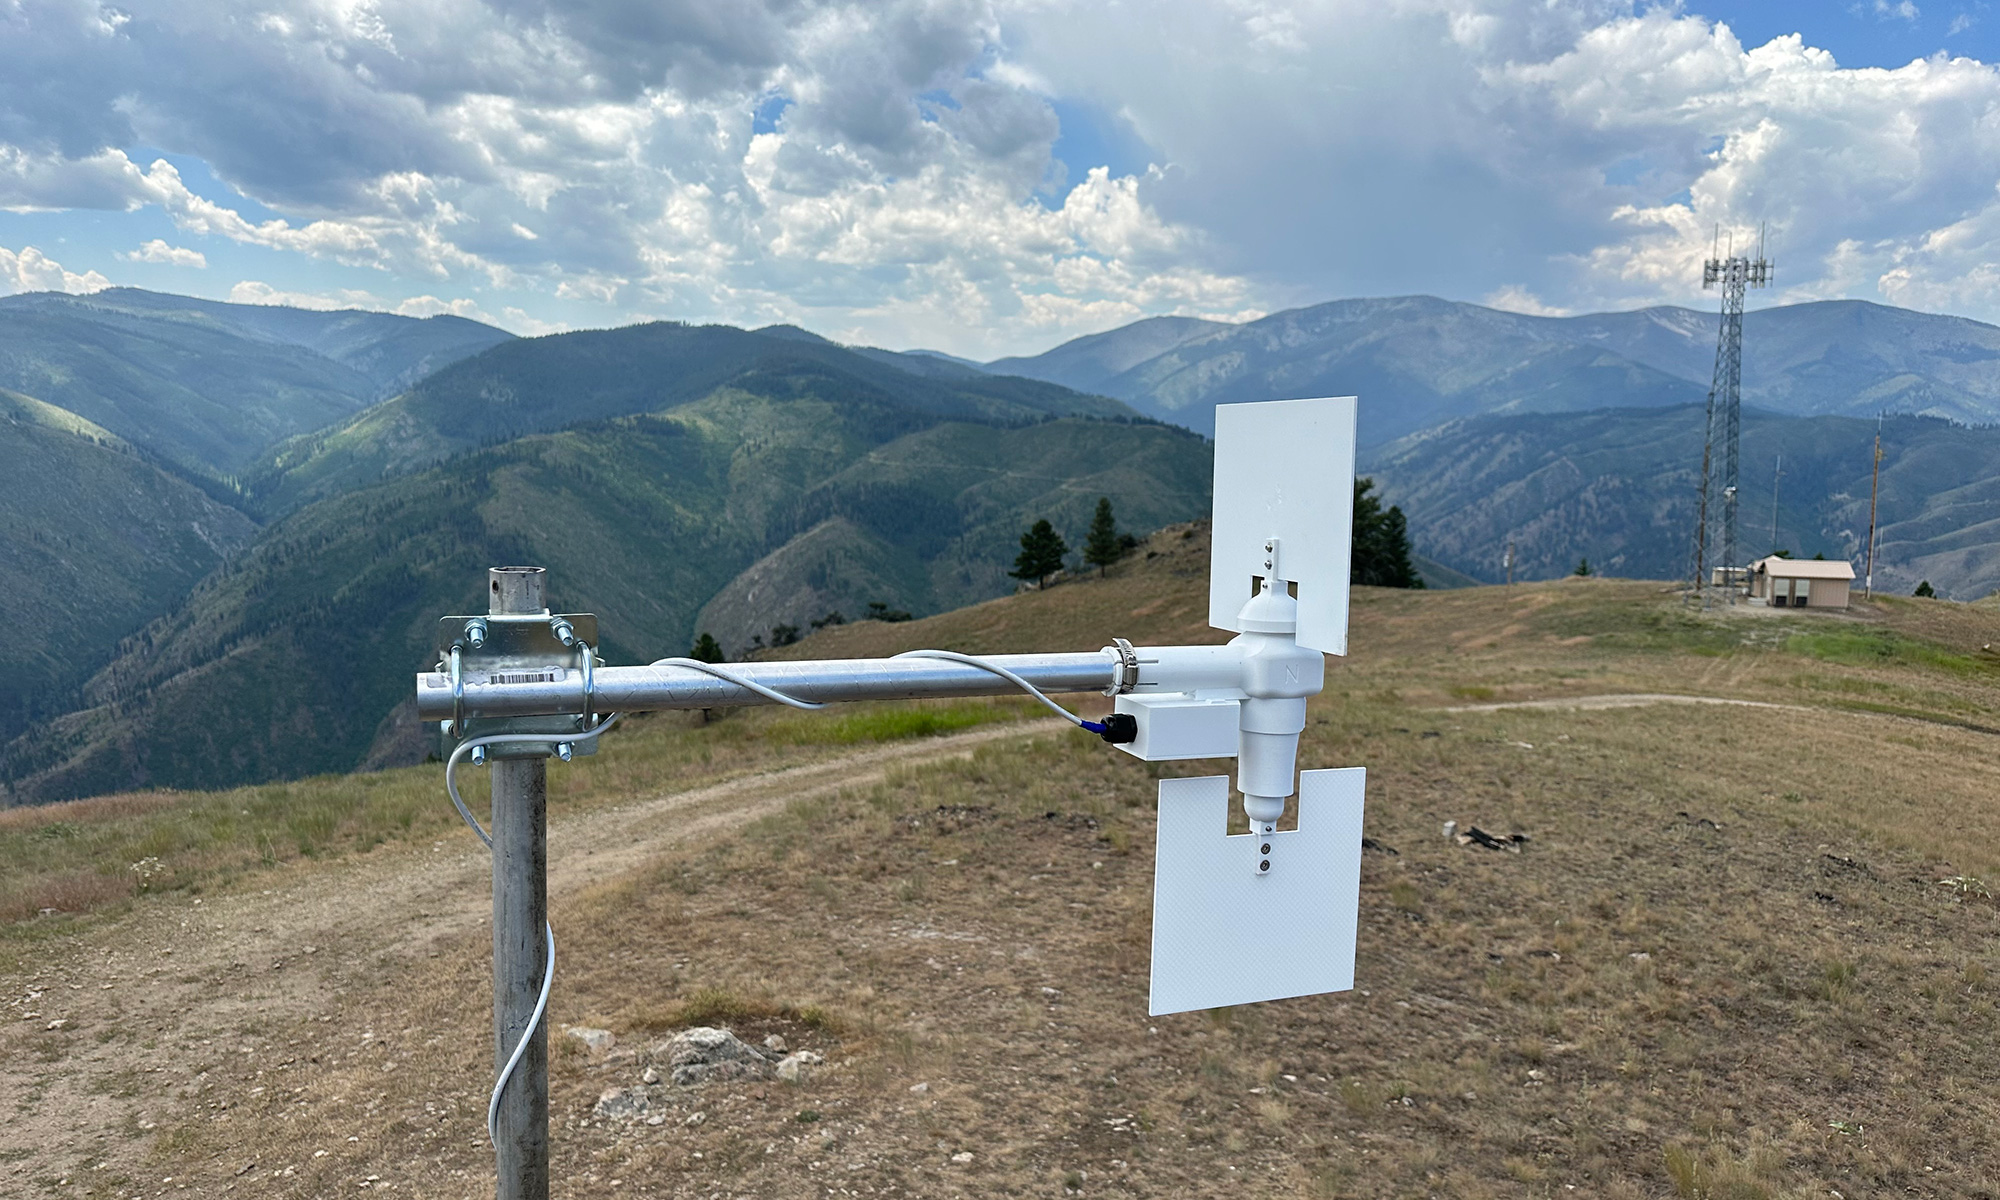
{"x":622,"y":1104}
{"x":792,"y":1068}
{"x":708,"y":1055}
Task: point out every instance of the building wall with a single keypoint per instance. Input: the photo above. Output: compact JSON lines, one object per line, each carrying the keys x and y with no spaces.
{"x":1821,"y":593}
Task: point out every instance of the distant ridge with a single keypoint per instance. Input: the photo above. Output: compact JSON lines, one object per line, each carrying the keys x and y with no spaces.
{"x":208,"y":385}
{"x":1417,"y":361}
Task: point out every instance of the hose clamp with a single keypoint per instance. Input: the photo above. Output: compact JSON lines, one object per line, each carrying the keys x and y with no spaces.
{"x":1126,"y":677}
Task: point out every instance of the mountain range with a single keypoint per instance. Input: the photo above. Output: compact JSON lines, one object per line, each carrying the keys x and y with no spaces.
{"x":1418,"y":361}
{"x":244,"y":521}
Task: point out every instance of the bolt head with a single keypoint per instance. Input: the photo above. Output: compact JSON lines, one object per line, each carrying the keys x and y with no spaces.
{"x":564,"y":751}
{"x":478,"y":756}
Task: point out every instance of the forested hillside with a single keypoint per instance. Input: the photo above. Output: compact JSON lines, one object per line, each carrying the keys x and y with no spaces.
{"x":1618,"y":487}
{"x":96,"y":541}
{"x":838,"y":479}
{"x":544,"y":384}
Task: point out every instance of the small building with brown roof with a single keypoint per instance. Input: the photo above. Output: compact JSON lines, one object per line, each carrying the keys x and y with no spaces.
{"x":1800,"y":582}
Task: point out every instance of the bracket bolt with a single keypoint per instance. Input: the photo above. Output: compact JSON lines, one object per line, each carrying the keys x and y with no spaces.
{"x":564,"y":631}
{"x":475,"y":633}
{"x":564,"y":750}
{"x":478,"y":756}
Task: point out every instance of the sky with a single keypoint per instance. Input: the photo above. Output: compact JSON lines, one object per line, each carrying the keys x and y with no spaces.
{"x":992,"y":177}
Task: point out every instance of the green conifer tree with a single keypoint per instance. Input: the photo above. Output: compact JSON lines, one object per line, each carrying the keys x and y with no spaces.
{"x":1103,"y":547}
{"x":1042,"y":550}
{"x":706,"y":649}
{"x":1380,"y":556}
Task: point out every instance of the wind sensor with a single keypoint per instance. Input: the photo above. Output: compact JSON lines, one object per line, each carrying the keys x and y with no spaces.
{"x":1237,"y":919}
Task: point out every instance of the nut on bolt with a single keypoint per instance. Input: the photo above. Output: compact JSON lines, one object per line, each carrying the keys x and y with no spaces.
{"x":564,"y":631}
{"x":475,"y":633}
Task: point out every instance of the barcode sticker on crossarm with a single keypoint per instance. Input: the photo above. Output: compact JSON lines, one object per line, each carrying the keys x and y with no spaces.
{"x":546,"y":675}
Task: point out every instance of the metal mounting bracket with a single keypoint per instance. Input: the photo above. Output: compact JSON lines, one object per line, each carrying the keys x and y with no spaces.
{"x":530,"y":648}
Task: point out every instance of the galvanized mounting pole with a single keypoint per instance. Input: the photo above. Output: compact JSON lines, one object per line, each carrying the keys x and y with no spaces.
{"x":520,"y":912}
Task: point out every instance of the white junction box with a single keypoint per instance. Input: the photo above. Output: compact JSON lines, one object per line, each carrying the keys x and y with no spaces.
{"x":1178,"y":725}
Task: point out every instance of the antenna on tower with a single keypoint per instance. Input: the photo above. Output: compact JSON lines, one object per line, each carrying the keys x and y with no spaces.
{"x":1723,"y":421}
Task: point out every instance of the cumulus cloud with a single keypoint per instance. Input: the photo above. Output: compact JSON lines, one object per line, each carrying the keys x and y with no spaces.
{"x":158,"y":251}
{"x":29,"y":270}
{"x":256,"y":291}
{"x":887,"y":171}
{"x":1515,"y":298}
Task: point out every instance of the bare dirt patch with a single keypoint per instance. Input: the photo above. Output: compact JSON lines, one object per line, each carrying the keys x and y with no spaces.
{"x":131,"y":1050}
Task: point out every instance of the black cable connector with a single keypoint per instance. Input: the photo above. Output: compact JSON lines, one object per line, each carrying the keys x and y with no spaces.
{"x":1117,"y":729}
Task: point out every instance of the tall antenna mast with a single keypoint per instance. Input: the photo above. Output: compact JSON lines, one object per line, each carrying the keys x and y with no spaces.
{"x":1874,"y":486}
{"x":1723,"y":420}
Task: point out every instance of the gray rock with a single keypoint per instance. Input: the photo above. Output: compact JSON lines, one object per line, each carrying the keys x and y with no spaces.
{"x":597,"y":1041}
{"x":707,"y":1055}
{"x":792,"y":1068}
{"x":651,"y":1076}
{"x":773,"y":1042}
{"x":622,"y":1104}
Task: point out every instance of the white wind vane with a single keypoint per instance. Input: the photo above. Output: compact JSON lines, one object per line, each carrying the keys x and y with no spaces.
{"x":1237,"y":919}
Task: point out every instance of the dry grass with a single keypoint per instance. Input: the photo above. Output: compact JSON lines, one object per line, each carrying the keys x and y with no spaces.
{"x":61,"y":862}
{"x":1723,"y":967}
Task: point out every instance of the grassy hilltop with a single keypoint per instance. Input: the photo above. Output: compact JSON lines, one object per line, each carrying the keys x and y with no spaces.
{"x":1724,"y":964}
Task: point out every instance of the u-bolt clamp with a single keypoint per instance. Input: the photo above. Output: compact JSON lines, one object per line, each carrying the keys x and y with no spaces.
{"x":588,"y":659}
{"x":457,"y":690}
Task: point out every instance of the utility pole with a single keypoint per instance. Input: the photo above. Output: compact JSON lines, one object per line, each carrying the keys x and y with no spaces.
{"x":1724,"y":417}
{"x":520,"y":913}
{"x":1777,"y":473}
{"x":1874,"y":486}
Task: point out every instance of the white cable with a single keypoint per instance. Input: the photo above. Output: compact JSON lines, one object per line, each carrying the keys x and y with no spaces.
{"x":548,"y":930}
{"x":1004,"y":673}
{"x":470,"y":744}
{"x":521,"y":1047}
{"x":728,"y":676}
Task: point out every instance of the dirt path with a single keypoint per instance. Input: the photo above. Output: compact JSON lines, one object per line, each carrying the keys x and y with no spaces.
{"x":1619,"y":700}
{"x":100,"y":1040}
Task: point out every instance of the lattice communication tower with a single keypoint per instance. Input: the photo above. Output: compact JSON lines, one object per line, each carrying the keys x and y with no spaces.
{"x":1735,"y":274}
